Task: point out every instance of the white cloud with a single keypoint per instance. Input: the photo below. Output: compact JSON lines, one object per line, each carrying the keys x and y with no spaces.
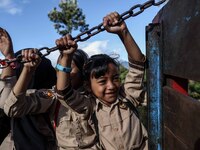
{"x":10,"y":7}
{"x":92,"y":48}
{"x":104,"y":47}
{"x":96,"y":47}
{"x":53,"y":57}
{"x":14,"y":11}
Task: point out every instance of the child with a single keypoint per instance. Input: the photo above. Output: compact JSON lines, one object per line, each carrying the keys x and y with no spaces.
{"x":27,"y":126}
{"x":113,"y":104}
{"x":7,"y":80}
{"x":72,"y":131}
{"x":24,"y":129}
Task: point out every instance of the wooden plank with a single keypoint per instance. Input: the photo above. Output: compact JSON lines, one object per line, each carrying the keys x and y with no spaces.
{"x":181,"y":123}
{"x":181,"y":37}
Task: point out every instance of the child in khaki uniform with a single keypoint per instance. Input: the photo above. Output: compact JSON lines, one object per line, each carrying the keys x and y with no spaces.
{"x":72,"y":131}
{"x":7,"y":81}
{"x":118,"y":125}
{"x":41,"y":130}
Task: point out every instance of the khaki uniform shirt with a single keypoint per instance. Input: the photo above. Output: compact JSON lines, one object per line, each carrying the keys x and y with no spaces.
{"x":5,"y":89}
{"x":72,"y":131}
{"x":21,"y":105}
{"x":6,"y":86}
{"x":118,"y":125}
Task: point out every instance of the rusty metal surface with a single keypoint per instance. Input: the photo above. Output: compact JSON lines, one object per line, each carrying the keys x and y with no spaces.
{"x":181,"y":37}
{"x":154,"y":86}
{"x":181,"y":123}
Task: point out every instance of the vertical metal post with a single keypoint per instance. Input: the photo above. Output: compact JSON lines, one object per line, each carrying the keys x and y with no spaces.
{"x":154,"y":85}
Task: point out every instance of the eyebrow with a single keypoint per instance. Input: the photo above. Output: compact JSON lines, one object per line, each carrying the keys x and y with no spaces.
{"x":103,"y":76}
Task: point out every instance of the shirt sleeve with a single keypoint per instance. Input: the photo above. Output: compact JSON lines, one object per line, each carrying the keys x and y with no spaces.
{"x":76,"y":101}
{"x":31,"y":102}
{"x":133,"y":87}
{"x":6,"y":86}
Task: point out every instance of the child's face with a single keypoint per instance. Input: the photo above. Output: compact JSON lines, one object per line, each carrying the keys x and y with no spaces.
{"x":106,"y":87}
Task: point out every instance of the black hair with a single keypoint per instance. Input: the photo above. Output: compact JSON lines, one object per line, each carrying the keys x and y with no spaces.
{"x":80,"y":58}
{"x":44,"y":76}
{"x":97,"y":66}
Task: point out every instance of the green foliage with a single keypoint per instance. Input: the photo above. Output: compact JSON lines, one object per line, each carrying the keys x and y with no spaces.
{"x":69,"y":18}
{"x":194,"y":89}
{"x":123,"y":72}
{"x":143,"y":110}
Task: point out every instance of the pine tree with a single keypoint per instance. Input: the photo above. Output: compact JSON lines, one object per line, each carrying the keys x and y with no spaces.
{"x":69,"y":18}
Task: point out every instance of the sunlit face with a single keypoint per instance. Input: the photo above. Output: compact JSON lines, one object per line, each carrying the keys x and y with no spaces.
{"x":75,"y":77}
{"x":106,"y":87}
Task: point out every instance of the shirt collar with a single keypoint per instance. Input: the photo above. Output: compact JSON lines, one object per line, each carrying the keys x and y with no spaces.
{"x":100,"y":104}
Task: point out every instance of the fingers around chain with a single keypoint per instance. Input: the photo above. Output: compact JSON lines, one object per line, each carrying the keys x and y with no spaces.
{"x":68,"y":40}
{"x":115,"y":18}
{"x":29,"y":54}
{"x":62,"y":42}
{"x":65,"y":42}
{"x":111,"y":19}
{"x":106,"y":21}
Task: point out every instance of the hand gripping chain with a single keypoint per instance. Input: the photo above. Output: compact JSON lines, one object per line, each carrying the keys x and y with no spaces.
{"x":132,"y":12}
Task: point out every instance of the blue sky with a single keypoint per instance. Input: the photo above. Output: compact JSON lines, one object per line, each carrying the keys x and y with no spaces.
{"x":29,"y":26}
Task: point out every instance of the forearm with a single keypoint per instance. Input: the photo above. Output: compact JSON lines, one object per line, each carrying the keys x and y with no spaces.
{"x":31,"y":102}
{"x":22,"y":83}
{"x":63,"y":78}
{"x":131,"y":46}
{"x":77,"y":101}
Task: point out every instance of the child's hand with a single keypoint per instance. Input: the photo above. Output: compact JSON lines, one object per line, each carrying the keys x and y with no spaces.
{"x":31,"y":57}
{"x":66,"y":45}
{"x":112,"y":25}
{"x":6,"y":46}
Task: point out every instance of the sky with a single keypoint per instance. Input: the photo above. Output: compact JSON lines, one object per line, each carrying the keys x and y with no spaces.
{"x":29,"y":26}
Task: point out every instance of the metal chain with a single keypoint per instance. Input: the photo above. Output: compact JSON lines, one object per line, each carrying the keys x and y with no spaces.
{"x":132,"y":12}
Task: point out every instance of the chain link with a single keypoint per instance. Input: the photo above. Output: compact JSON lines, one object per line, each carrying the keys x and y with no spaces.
{"x":132,"y":12}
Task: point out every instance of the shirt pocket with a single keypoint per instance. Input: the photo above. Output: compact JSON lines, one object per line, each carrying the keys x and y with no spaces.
{"x":142,"y":145}
{"x":65,"y":126}
{"x":140,"y":140}
{"x":103,"y":119}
